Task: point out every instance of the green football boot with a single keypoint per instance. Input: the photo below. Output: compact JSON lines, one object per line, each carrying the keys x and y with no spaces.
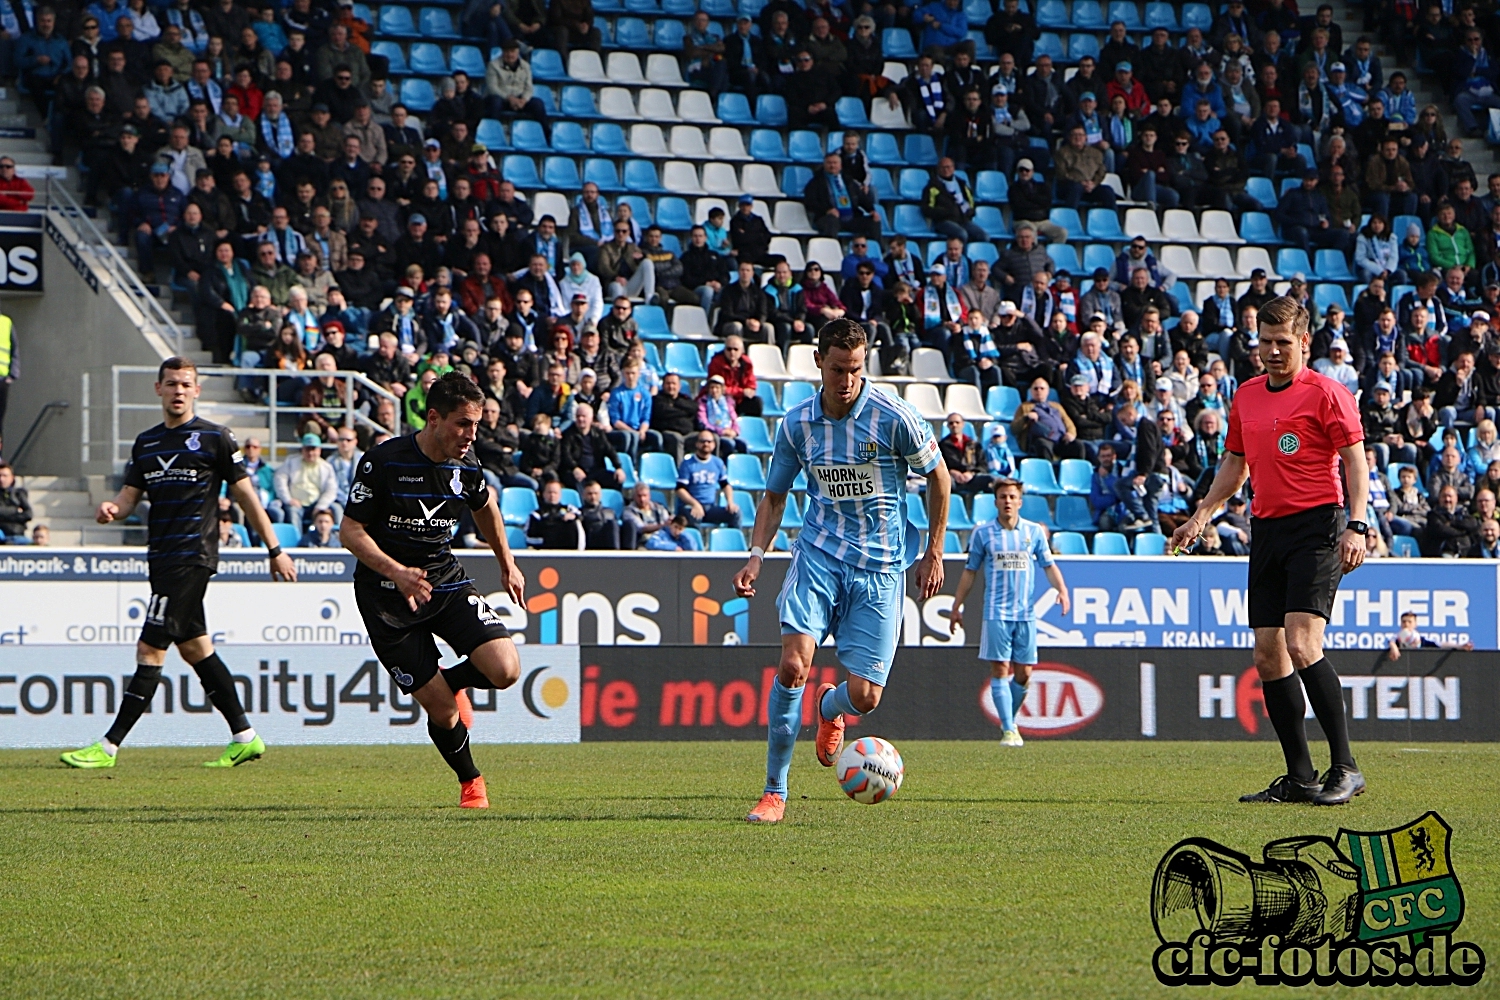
{"x":89,"y":757}
{"x":238,"y":753}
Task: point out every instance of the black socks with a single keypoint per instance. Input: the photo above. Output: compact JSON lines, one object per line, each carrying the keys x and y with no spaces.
{"x":138,"y":694}
{"x":1326,"y":695}
{"x":1286,"y":707}
{"x":453,"y":744}
{"x":221,"y":691}
{"x":464,"y":674}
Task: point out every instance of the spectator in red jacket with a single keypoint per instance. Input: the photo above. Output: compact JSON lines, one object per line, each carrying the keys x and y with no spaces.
{"x":15,"y":192}
{"x":734,"y":367}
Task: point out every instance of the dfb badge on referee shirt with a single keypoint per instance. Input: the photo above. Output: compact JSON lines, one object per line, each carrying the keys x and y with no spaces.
{"x":1288,"y":444}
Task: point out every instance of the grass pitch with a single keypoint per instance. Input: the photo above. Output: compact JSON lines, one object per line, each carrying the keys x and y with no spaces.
{"x":623,"y":870}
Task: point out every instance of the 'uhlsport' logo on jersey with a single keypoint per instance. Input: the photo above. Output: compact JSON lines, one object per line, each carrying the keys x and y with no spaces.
{"x":1363,"y":909}
{"x":1289,"y":444}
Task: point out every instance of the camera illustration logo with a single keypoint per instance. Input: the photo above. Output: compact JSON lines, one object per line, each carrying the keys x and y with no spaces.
{"x":1373,"y":909}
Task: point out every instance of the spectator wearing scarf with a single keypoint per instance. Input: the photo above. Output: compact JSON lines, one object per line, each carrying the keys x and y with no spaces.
{"x":942,"y":312}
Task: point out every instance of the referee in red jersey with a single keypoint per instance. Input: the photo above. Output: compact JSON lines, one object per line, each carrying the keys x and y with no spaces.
{"x":1288,"y":429}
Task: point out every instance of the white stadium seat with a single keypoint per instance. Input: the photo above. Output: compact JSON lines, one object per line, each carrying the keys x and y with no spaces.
{"x":883,"y":116}
{"x":694,"y":106}
{"x":662,"y":70}
{"x":924,"y":398}
{"x":719,"y":177}
{"x":690,"y":322}
{"x":791,"y":249}
{"x":687,"y":142}
{"x":647,"y":140}
{"x":800,"y":364}
{"x":584,"y":67}
{"x":703,"y":206}
{"x":680,"y":177}
{"x":655,"y":105}
{"x":826,"y":251}
{"x":1143,"y":222}
{"x":1249,"y":258}
{"x":758,"y":179}
{"x":929,"y":365}
{"x":1179,"y":226}
{"x":1216,"y":263}
{"x":791,"y":219}
{"x":553,"y":204}
{"x":964,"y":399}
{"x":1218,"y":227}
{"x":625,"y":67}
{"x":725,"y":143}
{"x":616,"y":104}
{"x":768,"y":363}
{"x":1179,"y":260}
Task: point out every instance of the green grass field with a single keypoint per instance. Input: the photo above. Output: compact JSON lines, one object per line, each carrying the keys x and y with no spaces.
{"x":622,"y":870}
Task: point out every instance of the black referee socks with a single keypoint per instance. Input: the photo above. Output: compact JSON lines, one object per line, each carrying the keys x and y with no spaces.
{"x":1286,"y":707}
{"x":219,"y":687}
{"x":464,"y":674}
{"x":1326,"y":695}
{"x":453,"y":744}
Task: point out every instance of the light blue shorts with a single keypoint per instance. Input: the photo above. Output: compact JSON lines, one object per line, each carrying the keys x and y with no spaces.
{"x":1007,"y":641}
{"x":860,"y":608}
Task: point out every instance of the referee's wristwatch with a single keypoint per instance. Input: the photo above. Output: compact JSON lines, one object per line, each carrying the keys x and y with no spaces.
{"x":1358,"y":527}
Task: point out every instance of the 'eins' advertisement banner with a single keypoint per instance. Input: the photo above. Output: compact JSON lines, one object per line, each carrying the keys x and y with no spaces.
{"x":682,"y":692}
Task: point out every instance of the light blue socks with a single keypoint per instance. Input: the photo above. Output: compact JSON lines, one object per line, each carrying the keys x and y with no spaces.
{"x":784,"y":718}
{"x":836,"y":702}
{"x":1000,"y":695}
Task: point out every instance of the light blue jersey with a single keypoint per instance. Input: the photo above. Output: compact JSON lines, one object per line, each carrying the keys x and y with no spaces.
{"x":1008,"y":558}
{"x":856,"y":476}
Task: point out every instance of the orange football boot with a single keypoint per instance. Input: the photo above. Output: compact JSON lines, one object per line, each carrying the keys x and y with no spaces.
{"x":471,"y":794}
{"x":830,"y":736}
{"x":768,"y":810}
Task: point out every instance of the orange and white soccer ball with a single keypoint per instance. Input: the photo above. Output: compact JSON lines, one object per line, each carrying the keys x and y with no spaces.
{"x":870,"y":770}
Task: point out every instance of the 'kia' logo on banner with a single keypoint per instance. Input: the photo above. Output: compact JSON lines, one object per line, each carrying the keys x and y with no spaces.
{"x":1060,"y":699}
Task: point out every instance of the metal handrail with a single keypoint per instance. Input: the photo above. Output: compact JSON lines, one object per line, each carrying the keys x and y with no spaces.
{"x":351,"y":415}
{"x":57,"y":405}
{"x":57,"y":198}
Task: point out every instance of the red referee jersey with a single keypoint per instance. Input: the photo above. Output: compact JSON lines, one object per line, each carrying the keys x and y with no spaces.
{"x":1290,"y":438}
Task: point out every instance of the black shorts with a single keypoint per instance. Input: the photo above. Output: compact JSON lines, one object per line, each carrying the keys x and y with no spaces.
{"x":175,"y":613}
{"x":1295,"y":565}
{"x":403,"y":639}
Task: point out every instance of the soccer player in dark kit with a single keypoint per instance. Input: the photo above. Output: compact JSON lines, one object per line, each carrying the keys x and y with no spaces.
{"x":180,"y":465}
{"x":403,"y":507}
{"x":1288,"y":431}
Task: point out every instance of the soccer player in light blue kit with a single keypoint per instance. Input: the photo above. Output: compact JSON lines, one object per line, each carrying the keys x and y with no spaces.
{"x":1006,"y":550}
{"x":848,"y":568}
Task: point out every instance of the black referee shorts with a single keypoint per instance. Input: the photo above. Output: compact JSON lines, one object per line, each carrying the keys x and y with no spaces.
{"x":175,"y":613}
{"x":402,"y":640}
{"x":1295,"y":565}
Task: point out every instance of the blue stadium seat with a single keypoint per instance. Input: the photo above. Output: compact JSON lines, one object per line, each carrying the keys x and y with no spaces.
{"x":547,"y":64}
{"x":781,"y":543}
{"x":1067,"y":218}
{"x":548,"y":97}
{"x":958,"y":514}
{"x":602,"y":172}
{"x":1038,"y":476}
{"x":795,"y":392}
{"x":568,"y":137}
{"x":516,"y":538}
{"x":608,"y":139}
{"x":978,"y":11}
{"x":951,"y":544}
{"x":1064,"y":257}
{"x":746,"y":473}
{"x":1034,"y":508}
{"x":734,"y":109}
{"x":392,"y":53}
{"x":1077,"y":475}
{"x":1080,"y":45}
{"x":984,"y":509}
{"x":791,"y":516}
{"x":242,"y":534}
{"x":1126,"y":11}
{"x":720,"y":10}
{"x":991,"y":186}
{"x":988,"y":218}
{"x":469,"y":59}
{"x":683,"y":359}
{"x":417,"y":93}
{"x":632,"y":33}
{"x":674,"y":214}
{"x":770,"y":404}
{"x":752,"y":8}
{"x":1052,"y":14}
{"x":641,"y":177}
{"x":766,"y":147}
{"x":1404,"y":547}
{"x":526,"y":136}
{"x":1293,"y":260}
{"x":491,"y":134}
{"x":520,"y":171}
{"x":1161,"y":15}
{"x":984,"y":251}
{"x":1087,"y":15}
{"x":896,"y":43}
{"x":1048,"y":44}
{"x":1150,"y":543}
{"x":639,"y":207}
{"x":880,"y":181}
{"x":571,"y":497}
{"x":615,"y":501}
{"x":882,"y":150}
{"x":913,"y":182}
{"x":658,"y":471}
{"x":1198,"y":15}
{"x":361,"y":12}
{"x":396,"y":22}
{"x":1327,"y":294}
{"x":916,"y":511}
{"x":578,"y":102}
{"x":851,"y":112}
{"x":756,"y":435}
{"x":910,"y":222}
{"x":560,"y":173}
{"x":1255,"y":227}
{"x":1096,"y":255}
{"x":1104,"y":224}
{"x":920,"y":150}
{"x":1073,"y":513}
{"x":1002,"y":401}
{"x":1111,"y":543}
{"x":794,"y":180}
{"x":651,"y":323}
{"x":804,"y":146}
{"x":770,"y":110}
{"x":1070,"y":543}
{"x":435,"y":22}
{"x":287,"y":535}
{"x":727,"y":539}
{"x":982,"y":47}
{"x":1333,"y":266}
{"x":1262,"y":190}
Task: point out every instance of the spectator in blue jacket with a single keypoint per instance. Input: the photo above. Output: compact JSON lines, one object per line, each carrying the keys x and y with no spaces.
{"x":629,"y":413}
{"x":1203,"y":87}
{"x":1474,"y":74}
{"x":859,"y":253}
{"x":944,"y":23}
{"x":1103,"y":502}
{"x":155,"y":212}
{"x":41,"y":57}
{"x":1304,"y":217}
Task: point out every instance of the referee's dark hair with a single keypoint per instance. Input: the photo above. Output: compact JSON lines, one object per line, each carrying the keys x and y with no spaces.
{"x":1285,"y":309}
{"x":452,"y":391}
{"x":844,"y":333}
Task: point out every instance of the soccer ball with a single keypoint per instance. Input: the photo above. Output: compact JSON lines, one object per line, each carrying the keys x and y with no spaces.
{"x":870,"y":770}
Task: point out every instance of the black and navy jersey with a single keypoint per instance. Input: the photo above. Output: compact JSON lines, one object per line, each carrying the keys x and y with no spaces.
{"x":410,"y":506}
{"x":181,"y":470}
